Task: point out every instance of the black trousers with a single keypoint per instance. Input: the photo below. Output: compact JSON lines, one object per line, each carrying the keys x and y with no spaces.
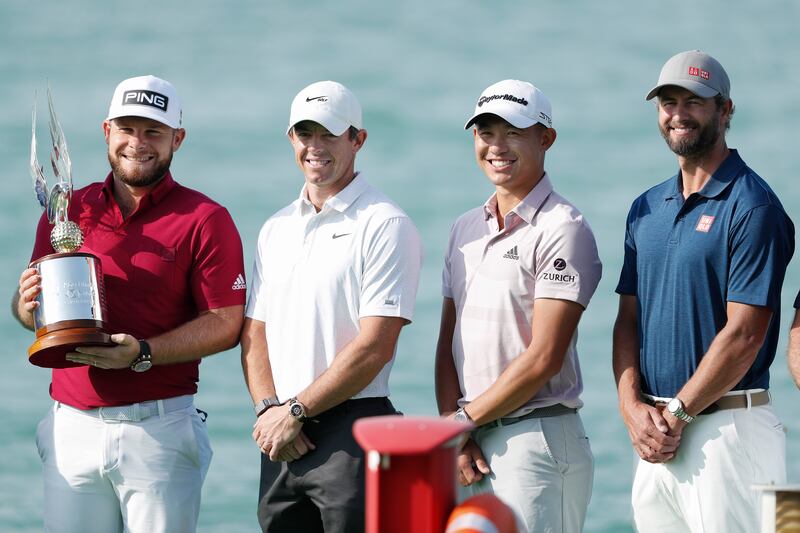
{"x":323,"y":491}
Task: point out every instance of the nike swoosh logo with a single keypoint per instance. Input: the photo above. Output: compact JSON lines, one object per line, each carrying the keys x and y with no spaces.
{"x":340,"y":235}
{"x":320,"y":98}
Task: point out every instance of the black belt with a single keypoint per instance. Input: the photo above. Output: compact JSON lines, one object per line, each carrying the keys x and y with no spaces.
{"x":358,"y":403}
{"x":543,"y":412}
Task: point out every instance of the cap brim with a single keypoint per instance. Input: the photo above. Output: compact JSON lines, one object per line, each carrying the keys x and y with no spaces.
{"x":327,"y":121}
{"x":144,"y":113}
{"x":703,"y":91}
{"x":516,"y":120}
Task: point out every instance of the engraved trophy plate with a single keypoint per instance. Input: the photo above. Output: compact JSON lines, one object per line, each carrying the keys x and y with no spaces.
{"x":71,"y":308}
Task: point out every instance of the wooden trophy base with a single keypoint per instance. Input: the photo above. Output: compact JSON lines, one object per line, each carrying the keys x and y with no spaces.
{"x":50,"y":349}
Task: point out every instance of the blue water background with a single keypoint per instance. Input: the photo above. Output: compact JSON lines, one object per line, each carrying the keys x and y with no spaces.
{"x":417,"y":68}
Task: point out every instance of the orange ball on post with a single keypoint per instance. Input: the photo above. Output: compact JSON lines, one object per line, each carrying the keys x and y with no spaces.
{"x":484,"y":513}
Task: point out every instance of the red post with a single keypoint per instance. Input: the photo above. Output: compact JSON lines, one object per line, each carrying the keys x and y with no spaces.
{"x":411,"y":471}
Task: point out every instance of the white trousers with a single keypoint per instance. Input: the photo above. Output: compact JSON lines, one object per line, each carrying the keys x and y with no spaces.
{"x":108,"y":476}
{"x":707,"y":487}
{"x":542,"y":468}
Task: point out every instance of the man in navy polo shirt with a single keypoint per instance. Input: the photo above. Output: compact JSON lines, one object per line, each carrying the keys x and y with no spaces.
{"x":705,"y":256}
{"x":794,"y":343}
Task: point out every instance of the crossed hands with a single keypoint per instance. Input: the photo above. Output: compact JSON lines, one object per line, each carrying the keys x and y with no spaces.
{"x":279,"y":435}
{"x":654,"y":432}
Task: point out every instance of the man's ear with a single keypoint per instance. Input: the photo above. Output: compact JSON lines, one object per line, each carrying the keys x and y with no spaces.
{"x":361,"y":138}
{"x":548,"y":138}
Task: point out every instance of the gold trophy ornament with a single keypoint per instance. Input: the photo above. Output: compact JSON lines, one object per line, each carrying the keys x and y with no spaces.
{"x":72,"y":306}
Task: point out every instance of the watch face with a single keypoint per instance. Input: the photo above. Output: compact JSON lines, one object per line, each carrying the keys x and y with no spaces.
{"x":142,"y":366}
{"x":674,"y":405}
{"x":296,"y":410}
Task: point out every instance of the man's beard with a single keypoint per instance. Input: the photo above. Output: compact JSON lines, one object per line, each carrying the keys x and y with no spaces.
{"x":140,"y":179}
{"x":697,"y":147}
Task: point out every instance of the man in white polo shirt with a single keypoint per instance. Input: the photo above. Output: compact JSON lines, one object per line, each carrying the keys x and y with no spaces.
{"x":519,"y":271}
{"x":335,"y":278}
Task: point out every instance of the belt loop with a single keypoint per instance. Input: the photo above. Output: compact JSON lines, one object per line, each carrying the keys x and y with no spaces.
{"x":160,"y":404}
{"x":749,"y":399}
{"x":137,"y":412}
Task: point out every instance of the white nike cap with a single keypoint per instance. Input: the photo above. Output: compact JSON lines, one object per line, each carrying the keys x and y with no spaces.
{"x":517,"y":102}
{"x":148,"y":97}
{"x":328,"y":103}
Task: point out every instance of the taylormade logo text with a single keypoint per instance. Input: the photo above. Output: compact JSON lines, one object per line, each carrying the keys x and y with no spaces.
{"x":509,"y":97}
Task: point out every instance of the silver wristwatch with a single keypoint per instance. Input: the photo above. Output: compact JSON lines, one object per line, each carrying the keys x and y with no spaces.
{"x":461,"y":415}
{"x":144,"y":361}
{"x":261,"y":406}
{"x":297,"y":410}
{"x":675,"y":407}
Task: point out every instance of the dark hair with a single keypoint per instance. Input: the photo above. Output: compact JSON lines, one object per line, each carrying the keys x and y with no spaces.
{"x":721,"y":100}
{"x":352,"y":131}
{"x":482,"y":120}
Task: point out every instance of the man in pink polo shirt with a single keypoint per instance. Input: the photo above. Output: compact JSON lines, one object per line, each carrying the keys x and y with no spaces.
{"x":124,"y":448}
{"x":519,"y":271}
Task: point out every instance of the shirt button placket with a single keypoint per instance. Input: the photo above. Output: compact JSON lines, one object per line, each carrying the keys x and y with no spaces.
{"x":308,"y":240}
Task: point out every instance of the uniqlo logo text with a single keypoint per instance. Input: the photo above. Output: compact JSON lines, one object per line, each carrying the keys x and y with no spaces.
{"x":704,"y":224}
{"x":700,"y":73}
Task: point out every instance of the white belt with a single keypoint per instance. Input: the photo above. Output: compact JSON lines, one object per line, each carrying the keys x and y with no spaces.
{"x":135,"y":412}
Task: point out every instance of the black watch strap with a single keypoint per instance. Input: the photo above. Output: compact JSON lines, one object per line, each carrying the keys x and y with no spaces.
{"x":143,"y":361}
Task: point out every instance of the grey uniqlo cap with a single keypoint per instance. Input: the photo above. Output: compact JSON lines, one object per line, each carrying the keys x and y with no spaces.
{"x":694,"y":71}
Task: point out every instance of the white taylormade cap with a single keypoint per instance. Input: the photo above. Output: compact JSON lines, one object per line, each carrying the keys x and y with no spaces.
{"x":517,"y":102}
{"x":148,"y":97}
{"x":328,"y":103}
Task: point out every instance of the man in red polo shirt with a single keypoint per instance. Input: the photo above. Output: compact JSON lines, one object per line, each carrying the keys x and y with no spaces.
{"x":124,"y":447}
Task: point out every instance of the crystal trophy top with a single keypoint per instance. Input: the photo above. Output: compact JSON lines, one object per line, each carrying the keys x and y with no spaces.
{"x":66,"y":235}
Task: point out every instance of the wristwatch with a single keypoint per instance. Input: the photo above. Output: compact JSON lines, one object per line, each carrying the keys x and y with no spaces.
{"x":144,"y":361}
{"x":675,"y":407}
{"x":297,"y":410}
{"x":261,"y":406}
{"x":462,"y":416}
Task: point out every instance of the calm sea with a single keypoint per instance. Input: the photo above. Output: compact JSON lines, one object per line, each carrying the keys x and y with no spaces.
{"x":417,"y":68}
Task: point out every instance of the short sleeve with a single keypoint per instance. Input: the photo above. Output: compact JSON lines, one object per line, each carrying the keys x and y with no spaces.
{"x":447,"y":273}
{"x":568,"y":265}
{"x":628,"y":277}
{"x":392,"y":262}
{"x":217,"y":278}
{"x":762,"y":243}
{"x":256,"y":304}
{"x":42,"y":246}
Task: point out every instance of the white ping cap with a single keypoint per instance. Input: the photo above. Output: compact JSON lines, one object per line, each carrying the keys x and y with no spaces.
{"x":148,"y":97}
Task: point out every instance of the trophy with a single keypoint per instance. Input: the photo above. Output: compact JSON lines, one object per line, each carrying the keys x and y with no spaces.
{"x":72,"y":299}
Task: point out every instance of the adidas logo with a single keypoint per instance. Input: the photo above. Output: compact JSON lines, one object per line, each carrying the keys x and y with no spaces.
{"x":239,"y":284}
{"x":512,"y":254}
